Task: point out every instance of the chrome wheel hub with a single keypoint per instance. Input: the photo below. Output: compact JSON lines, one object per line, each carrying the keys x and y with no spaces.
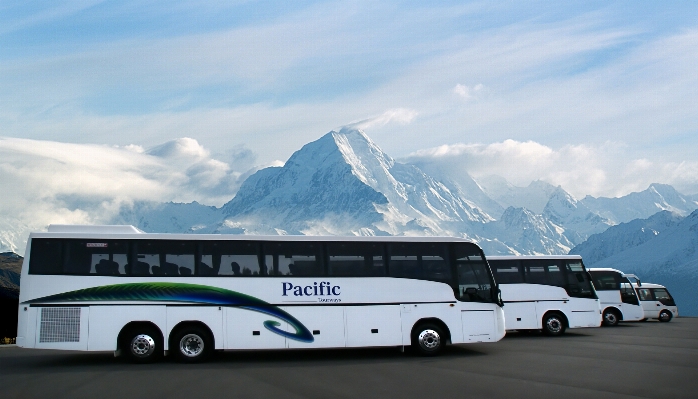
{"x":429,"y":339}
{"x":554,"y":325}
{"x":191,"y":345}
{"x":142,"y":345}
{"x":611,"y":318}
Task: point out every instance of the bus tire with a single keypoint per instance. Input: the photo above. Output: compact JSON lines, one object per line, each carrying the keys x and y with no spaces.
{"x":553,"y":324}
{"x":665,"y":316}
{"x":610,"y":317}
{"x":428,"y":339}
{"x":142,"y":344}
{"x":191,"y":344}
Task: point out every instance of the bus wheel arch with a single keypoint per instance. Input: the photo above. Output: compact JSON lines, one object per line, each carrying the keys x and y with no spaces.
{"x":611,"y":316}
{"x":141,"y":341}
{"x":191,"y":341}
{"x":554,"y":323}
{"x":429,"y":336}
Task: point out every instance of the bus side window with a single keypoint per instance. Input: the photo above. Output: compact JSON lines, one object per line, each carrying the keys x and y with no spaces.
{"x":231,"y":259}
{"x":426,"y":261}
{"x":355,"y":259}
{"x":645,"y":294}
{"x":294,"y":258}
{"x":76,"y":258}
{"x":506,"y":271}
{"x":45,"y":256}
{"x":605,"y":281}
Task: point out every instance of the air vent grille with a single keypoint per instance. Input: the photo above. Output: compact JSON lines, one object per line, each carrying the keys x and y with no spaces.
{"x":60,"y":325}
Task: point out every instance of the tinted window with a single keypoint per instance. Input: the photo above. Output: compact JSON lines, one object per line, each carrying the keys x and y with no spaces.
{"x":46,"y":256}
{"x":506,"y":271}
{"x":230,"y":258}
{"x":300,"y":259}
{"x":627,"y":293}
{"x":163,"y":258}
{"x":578,"y":284}
{"x":78,"y":257}
{"x":606,"y":280}
{"x":645,"y":294}
{"x":474,"y":284}
{"x":474,"y":280}
{"x":662,"y":295}
{"x":355,"y":259}
{"x":547,"y":272}
{"x":419,"y":260}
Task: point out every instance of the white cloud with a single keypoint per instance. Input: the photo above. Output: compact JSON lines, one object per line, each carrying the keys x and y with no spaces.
{"x":466,"y":92}
{"x":400,"y":116}
{"x":606,"y":170}
{"x":47,"y":182}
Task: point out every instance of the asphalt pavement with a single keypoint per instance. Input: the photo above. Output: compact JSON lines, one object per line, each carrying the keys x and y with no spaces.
{"x":650,"y":359}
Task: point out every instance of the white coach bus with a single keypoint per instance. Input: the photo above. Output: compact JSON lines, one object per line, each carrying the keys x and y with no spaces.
{"x":656,"y":301}
{"x":619,"y":300}
{"x":115,"y":288}
{"x":549,"y":293}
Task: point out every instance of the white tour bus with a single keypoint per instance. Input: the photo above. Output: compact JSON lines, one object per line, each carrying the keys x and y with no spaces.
{"x":551,"y":293}
{"x":618,"y":297}
{"x":115,"y":288}
{"x":656,"y":302}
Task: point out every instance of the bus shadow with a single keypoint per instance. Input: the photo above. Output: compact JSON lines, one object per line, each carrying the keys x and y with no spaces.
{"x":85,"y":361}
{"x":344,"y":356}
{"x":539,"y":335}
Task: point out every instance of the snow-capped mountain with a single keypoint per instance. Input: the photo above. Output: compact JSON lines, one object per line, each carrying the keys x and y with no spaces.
{"x":522,"y":232}
{"x":643,"y":204}
{"x":533,"y":197}
{"x":625,"y":236}
{"x":344,"y":183}
{"x":170,"y":217}
{"x":564,"y":210}
{"x":668,"y":257}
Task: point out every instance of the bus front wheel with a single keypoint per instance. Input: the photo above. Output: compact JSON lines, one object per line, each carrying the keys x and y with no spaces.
{"x":665,"y":316}
{"x":610,"y":317}
{"x":428,"y":339}
{"x":553,"y":324}
{"x":143,"y":345}
{"x":191,"y":344}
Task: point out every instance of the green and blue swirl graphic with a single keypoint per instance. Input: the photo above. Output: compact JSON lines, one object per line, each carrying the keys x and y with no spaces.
{"x":182,"y":292}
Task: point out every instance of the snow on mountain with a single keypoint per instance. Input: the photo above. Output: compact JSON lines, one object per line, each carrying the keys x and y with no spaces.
{"x":463,"y":185}
{"x":533,"y":197}
{"x":13,"y":235}
{"x":343,"y":183}
{"x":624,"y":236}
{"x":170,"y":217}
{"x":579,"y":221}
{"x":641,"y":205}
{"x":521,"y":232}
{"x":670,"y":259}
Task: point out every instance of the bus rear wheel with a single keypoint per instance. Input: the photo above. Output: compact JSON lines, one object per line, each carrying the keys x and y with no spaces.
{"x":553,"y":325}
{"x":142,"y":344}
{"x":665,"y":316}
{"x":610,"y":317}
{"x":428,"y":339}
{"x":191,"y":344}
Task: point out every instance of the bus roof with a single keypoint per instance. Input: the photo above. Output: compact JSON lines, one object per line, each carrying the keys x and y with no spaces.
{"x":105,"y":232}
{"x":509,"y":257}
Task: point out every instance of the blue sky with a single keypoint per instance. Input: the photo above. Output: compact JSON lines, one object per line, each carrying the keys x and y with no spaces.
{"x":598,"y":97}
